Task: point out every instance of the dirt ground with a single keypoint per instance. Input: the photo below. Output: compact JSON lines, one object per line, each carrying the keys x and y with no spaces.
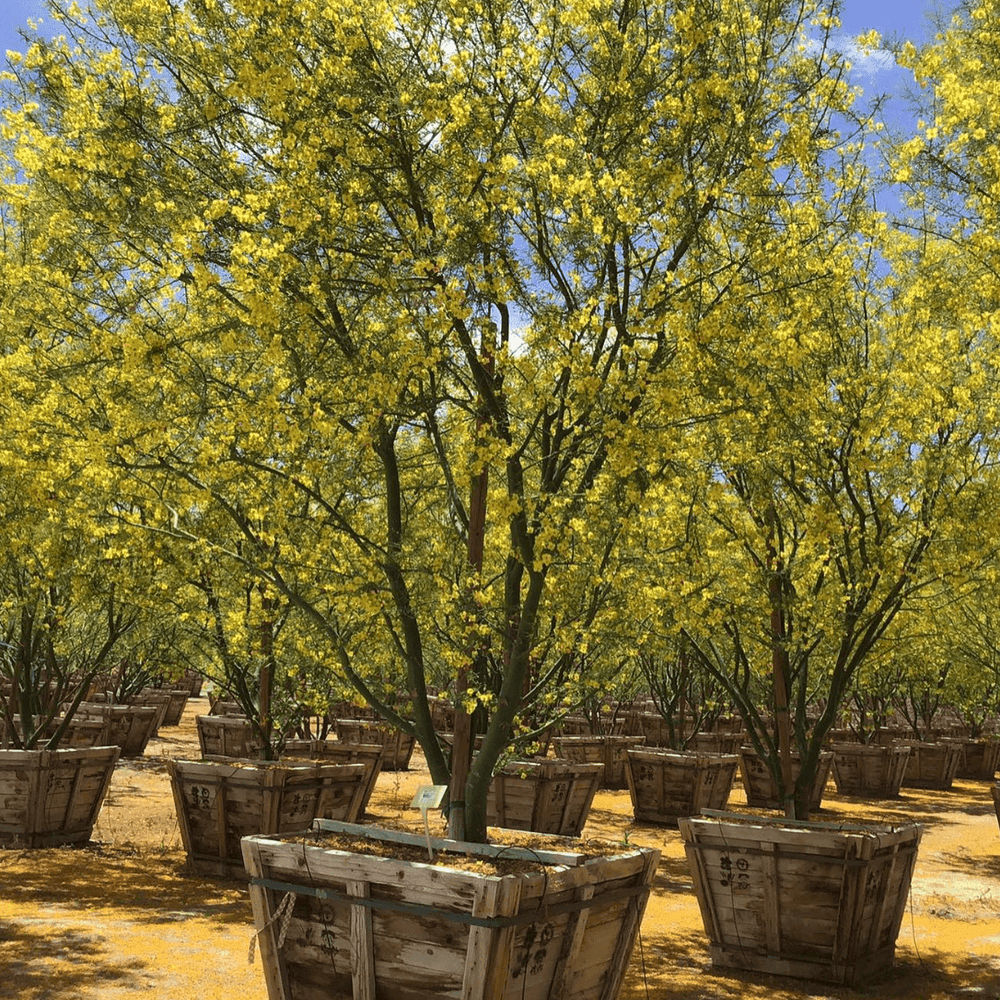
{"x":121,"y":917}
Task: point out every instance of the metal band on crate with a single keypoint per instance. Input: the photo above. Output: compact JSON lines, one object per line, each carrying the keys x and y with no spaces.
{"x":527,"y":917}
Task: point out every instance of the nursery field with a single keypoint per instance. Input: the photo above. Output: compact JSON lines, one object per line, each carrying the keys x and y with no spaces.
{"x":121,"y":917}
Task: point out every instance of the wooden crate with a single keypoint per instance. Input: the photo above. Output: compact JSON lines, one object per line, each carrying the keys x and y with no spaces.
{"x":761,"y":791}
{"x":52,"y":797}
{"x":869,"y":770}
{"x":225,"y":736}
{"x":546,"y":796}
{"x":398,"y":746}
{"x":724,"y":743}
{"x":129,"y":727}
{"x":980,"y":758}
{"x":79,"y":732}
{"x":932,"y":765}
{"x":608,"y":751}
{"x":812,"y":900}
{"x":159,"y":700}
{"x":334,"y":752}
{"x":177,"y":703}
{"x":218,"y":803}
{"x":363,"y":926}
{"x":667,"y":784}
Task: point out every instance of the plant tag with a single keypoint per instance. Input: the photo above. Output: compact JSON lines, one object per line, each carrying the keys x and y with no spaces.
{"x":429,"y":797}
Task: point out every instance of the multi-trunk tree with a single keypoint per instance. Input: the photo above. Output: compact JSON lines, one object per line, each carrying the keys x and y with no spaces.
{"x":407,"y":295}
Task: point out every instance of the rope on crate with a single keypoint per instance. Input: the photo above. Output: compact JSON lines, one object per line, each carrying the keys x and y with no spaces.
{"x":282,"y":912}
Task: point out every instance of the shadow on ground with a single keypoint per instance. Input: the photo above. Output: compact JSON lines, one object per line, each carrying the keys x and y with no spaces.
{"x":63,"y":965}
{"x":143,"y":885}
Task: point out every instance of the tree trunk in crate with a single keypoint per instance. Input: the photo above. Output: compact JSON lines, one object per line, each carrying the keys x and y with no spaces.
{"x":398,"y":746}
{"x":762,"y":792}
{"x":219,"y":803}
{"x":364,"y":926}
{"x":79,"y":733}
{"x":334,"y":752}
{"x":544,"y":796}
{"x":932,"y":765}
{"x":980,"y":759}
{"x":609,"y":751}
{"x":654,"y":728}
{"x":225,"y":736}
{"x":126,"y":726}
{"x":667,"y":784}
{"x":869,"y":770}
{"x":49,"y":798}
{"x":812,"y":900}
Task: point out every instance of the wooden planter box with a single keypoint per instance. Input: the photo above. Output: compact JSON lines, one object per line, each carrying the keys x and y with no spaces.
{"x":79,"y":733}
{"x":762,"y":793}
{"x":159,"y":700}
{"x":219,"y":803}
{"x":217,"y":706}
{"x":397,"y":745}
{"x":667,"y":784}
{"x":52,"y":797}
{"x":129,"y":727}
{"x":551,"y":796}
{"x":932,"y":765}
{"x":225,"y":736}
{"x":363,"y":926}
{"x":610,"y":751}
{"x":335,"y":752}
{"x":813,"y":900}
{"x":178,"y":700}
{"x":980,"y":759}
{"x":724,"y":743}
{"x":869,"y":770}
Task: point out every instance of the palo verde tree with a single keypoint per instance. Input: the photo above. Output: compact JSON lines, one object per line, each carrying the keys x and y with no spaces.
{"x":396,"y":290}
{"x":850,"y":480}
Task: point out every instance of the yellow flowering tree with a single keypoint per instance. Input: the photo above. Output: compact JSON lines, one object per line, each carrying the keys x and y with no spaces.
{"x":404,"y":294}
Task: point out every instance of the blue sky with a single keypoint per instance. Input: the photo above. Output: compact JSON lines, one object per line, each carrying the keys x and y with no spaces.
{"x":891,"y":18}
{"x":905,"y":17}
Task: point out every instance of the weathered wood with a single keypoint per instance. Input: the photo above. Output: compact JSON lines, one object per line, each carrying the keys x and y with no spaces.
{"x":763,"y":912}
{"x":525,"y":944}
{"x":869,"y":770}
{"x":666,"y":784}
{"x":932,"y":765}
{"x":225,"y":736}
{"x":610,"y":751}
{"x":219,"y":803}
{"x":550,"y":796}
{"x":128,"y":727}
{"x":53,"y":797}
{"x":759,"y":785}
{"x":980,"y":758}
{"x":397,"y":746}
{"x":338,"y":752}
{"x":177,"y":702}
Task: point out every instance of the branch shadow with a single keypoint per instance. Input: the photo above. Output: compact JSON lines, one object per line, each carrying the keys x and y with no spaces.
{"x":150,"y":887}
{"x":80,"y":956}
{"x":675,"y":965}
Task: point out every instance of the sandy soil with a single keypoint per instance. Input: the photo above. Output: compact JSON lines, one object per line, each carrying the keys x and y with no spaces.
{"x":121,"y":917}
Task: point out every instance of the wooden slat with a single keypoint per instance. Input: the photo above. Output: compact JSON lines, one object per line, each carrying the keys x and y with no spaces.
{"x":362,"y":945}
